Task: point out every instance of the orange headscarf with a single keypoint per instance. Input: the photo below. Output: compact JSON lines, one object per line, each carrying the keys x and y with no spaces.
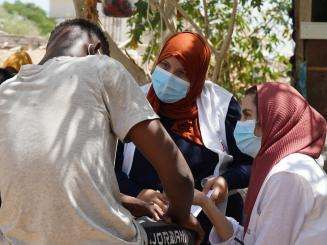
{"x":17,"y":60}
{"x":194,"y":54}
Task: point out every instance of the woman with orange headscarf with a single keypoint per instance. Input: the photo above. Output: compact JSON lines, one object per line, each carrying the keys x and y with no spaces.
{"x":286,"y":201}
{"x":15,"y":61}
{"x":200,"y":117}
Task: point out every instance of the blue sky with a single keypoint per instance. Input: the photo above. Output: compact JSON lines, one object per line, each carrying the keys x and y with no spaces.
{"x":42,"y":3}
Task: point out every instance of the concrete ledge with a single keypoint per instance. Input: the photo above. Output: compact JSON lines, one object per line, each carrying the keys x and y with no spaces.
{"x":8,"y":41}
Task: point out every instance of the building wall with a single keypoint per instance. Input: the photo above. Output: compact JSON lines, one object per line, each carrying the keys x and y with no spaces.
{"x":310,"y":56}
{"x":312,"y":53}
{"x":61,"y":9}
{"x":116,"y":27}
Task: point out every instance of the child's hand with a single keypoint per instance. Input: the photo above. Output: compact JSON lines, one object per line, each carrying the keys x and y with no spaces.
{"x":151,"y":210}
{"x":200,"y":198}
{"x":219,"y":187}
{"x":152,"y":196}
{"x":139,"y":208}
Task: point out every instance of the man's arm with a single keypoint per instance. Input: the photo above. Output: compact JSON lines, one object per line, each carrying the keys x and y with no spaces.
{"x":131,"y":117}
{"x":156,"y":145}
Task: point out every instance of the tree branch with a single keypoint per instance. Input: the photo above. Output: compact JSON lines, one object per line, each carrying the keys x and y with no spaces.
{"x":165,"y":13}
{"x":169,"y":25}
{"x":87,"y":9}
{"x":225,"y":46}
{"x":206,"y":20}
{"x":78,"y":4}
{"x":195,"y":26}
{"x":170,"y":13}
{"x":136,"y":71}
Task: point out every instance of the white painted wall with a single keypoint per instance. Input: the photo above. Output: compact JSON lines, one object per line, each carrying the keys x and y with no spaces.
{"x":61,"y":9}
{"x":116,"y":27}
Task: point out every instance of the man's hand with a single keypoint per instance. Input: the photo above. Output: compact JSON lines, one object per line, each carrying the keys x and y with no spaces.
{"x":152,"y":196}
{"x":219,"y":187}
{"x":193,"y":224}
{"x":139,"y":208}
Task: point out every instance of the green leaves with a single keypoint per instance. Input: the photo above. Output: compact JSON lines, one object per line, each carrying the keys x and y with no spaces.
{"x":33,"y":13}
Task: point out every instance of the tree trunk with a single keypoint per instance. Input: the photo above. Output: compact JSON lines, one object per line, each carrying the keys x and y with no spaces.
{"x":136,"y":71}
{"x":78,"y":4}
{"x":115,"y":52}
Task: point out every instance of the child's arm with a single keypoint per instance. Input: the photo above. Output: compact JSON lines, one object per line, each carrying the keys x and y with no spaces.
{"x":222,"y":226}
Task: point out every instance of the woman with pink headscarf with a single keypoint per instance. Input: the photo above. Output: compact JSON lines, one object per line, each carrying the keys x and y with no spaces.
{"x":286,"y":201}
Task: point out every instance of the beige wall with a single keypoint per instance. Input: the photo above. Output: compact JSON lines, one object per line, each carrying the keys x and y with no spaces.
{"x":117,"y":27}
{"x":61,"y":9}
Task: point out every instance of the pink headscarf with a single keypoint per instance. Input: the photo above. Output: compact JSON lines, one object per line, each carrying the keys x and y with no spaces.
{"x":289,"y":125}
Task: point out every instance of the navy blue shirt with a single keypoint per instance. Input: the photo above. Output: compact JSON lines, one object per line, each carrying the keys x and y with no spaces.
{"x":201,"y":160}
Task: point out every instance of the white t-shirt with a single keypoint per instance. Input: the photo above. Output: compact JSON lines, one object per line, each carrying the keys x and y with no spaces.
{"x":291,"y":207}
{"x":59,"y":127}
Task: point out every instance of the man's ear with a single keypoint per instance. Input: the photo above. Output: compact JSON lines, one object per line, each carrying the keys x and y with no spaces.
{"x":90,"y":49}
{"x":93,"y":49}
{"x":97,"y":48}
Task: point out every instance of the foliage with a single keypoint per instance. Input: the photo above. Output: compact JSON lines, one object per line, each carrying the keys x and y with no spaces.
{"x":15,"y":24}
{"x":261,"y":28}
{"x":32,"y":13}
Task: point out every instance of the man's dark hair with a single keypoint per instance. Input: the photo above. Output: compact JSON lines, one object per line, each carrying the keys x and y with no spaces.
{"x":85,"y":25}
{"x":5,"y":74}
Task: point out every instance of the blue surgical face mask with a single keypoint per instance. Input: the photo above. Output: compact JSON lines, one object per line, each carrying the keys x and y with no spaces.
{"x":245,"y":139}
{"x":168,"y":87}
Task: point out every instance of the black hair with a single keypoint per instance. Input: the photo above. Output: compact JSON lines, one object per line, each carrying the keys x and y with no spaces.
{"x":85,"y":25}
{"x":253,"y":91}
{"x":5,"y":74}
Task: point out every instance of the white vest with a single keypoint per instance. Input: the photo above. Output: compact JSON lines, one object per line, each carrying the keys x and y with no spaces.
{"x":314,"y":229}
{"x":212,"y":106}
